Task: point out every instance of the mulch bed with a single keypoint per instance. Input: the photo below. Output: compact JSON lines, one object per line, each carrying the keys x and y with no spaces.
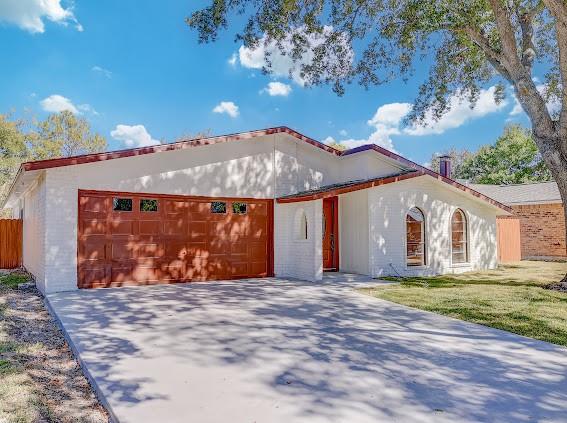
{"x":39,"y":365}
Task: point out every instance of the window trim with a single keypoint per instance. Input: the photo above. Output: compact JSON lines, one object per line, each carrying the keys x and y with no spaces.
{"x":220,"y":202}
{"x":114,"y":198}
{"x":466,"y":228}
{"x":425,"y":264}
{"x":238,"y":212}
{"x":149,"y":211}
{"x":301,"y":225}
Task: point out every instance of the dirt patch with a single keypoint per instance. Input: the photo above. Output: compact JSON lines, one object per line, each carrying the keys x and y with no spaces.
{"x":40,"y":381}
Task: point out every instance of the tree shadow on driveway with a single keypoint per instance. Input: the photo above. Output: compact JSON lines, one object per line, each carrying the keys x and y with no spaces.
{"x":271,"y":350}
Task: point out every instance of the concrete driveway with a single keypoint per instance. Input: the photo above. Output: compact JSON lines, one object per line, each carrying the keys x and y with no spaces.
{"x":290,"y":351}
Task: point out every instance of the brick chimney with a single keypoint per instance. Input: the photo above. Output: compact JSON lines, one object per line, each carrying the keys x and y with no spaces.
{"x":445,"y":166}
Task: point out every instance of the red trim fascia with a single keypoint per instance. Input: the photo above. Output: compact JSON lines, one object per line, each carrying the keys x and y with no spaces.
{"x":355,"y":187}
{"x":119,"y":154}
{"x":426,"y":171}
{"x":91,"y":158}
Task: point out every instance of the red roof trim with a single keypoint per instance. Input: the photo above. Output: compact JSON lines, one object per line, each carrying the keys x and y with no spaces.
{"x":426,"y":171}
{"x":91,"y":158}
{"x":119,"y":154}
{"x":355,"y":187}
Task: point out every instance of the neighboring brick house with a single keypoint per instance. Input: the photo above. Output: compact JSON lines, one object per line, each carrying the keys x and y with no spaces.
{"x":541,"y":213}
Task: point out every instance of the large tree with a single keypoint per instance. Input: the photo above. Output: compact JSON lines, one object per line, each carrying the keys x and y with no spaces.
{"x":513,"y":159}
{"x":64,"y":134}
{"x":471,"y":43}
{"x":13,"y":151}
{"x":458,"y":157}
{"x":59,"y":135}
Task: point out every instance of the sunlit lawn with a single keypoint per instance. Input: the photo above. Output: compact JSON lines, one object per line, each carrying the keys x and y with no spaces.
{"x":511,"y":297}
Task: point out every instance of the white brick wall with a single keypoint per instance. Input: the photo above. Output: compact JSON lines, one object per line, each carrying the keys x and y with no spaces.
{"x":388,"y":206}
{"x":294,"y":257}
{"x":61,"y":229}
{"x":353,"y":232}
{"x":246,"y":169}
{"x":33,"y":238}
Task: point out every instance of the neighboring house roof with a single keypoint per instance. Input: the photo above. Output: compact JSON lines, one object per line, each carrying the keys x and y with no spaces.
{"x":349,"y":186}
{"x":91,"y":158}
{"x":515,"y":194}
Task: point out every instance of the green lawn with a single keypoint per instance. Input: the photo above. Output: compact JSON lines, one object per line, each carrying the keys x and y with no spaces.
{"x":511,"y":297}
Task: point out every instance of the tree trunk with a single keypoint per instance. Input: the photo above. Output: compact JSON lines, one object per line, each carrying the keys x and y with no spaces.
{"x":557,"y":164}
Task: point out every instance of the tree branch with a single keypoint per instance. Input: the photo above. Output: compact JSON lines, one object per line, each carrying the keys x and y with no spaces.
{"x":506,"y":32}
{"x":561,"y":34}
{"x":558,"y":9}
{"x":494,"y":57}
{"x":528,"y":49}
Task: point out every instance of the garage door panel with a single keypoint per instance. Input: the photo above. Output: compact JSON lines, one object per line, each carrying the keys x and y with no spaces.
{"x":121,"y":227}
{"x":121,"y":272}
{"x":259,"y":268}
{"x":149,"y":250}
{"x":92,"y":276}
{"x":240,"y":269}
{"x":94,"y":249}
{"x":172,"y":240}
{"x":149,"y":227}
{"x":93,"y":226}
{"x":198,"y":230}
{"x":94,"y":204}
{"x":122,"y":250}
{"x":175,"y":227}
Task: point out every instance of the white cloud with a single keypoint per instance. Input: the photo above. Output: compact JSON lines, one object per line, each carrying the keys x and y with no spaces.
{"x":460,"y":112}
{"x":87,"y":108}
{"x":57,"y":103}
{"x":282,"y":65}
{"x":277,"y":89}
{"x":387,"y":120}
{"x":133,"y":136}
{"x":233,"y":59}
{"x":343,"y":133}
{"x":30,"y":14}
{"x":103,"y":71}
{"x":227,"y":107}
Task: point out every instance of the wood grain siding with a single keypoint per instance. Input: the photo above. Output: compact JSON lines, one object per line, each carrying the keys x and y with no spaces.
{"x":509,"y":244}
{"x":10,"y":243}
{"x":179,"y":241}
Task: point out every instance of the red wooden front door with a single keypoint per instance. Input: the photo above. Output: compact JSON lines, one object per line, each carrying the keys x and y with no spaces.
{"x":330,"y":234}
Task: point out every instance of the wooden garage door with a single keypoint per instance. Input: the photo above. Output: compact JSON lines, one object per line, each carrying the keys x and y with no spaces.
{"x":132,"y":239}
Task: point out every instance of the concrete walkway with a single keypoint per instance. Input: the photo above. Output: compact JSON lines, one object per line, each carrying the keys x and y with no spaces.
{"x":291,"y":351}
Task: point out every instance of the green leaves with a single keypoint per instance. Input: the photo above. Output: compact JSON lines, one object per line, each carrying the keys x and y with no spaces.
{"x":60,"y":135}
{"x":513,"y":159}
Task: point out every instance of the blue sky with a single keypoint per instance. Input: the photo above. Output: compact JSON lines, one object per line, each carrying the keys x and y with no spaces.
{"x":135,"y":70}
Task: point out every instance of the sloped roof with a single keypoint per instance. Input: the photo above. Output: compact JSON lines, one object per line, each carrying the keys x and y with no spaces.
{"x":349,"y":186}
{"x":91,"y":158}
{"x":532,"y":193}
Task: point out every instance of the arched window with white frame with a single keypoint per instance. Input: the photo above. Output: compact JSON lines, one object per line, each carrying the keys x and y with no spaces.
{"x":459,"y":237}
{"x":415,"y":238}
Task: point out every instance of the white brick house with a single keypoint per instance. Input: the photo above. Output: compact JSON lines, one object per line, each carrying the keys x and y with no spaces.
{"x":255,"y":204}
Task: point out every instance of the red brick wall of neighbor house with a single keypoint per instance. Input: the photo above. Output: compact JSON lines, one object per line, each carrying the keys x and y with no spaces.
{"x":542,"y":228}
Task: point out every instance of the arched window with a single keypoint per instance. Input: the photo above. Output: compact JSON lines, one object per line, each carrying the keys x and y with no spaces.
{"x":459,"y":237}
{"x":415,"y":237}
{"x":301,"y":231}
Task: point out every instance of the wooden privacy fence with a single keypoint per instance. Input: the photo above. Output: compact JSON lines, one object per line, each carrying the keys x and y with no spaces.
{"x":10,"y":243}
{"x":509,"y":245}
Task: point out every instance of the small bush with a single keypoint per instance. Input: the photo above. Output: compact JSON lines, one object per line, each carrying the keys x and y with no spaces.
{"x":12,"y":280}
